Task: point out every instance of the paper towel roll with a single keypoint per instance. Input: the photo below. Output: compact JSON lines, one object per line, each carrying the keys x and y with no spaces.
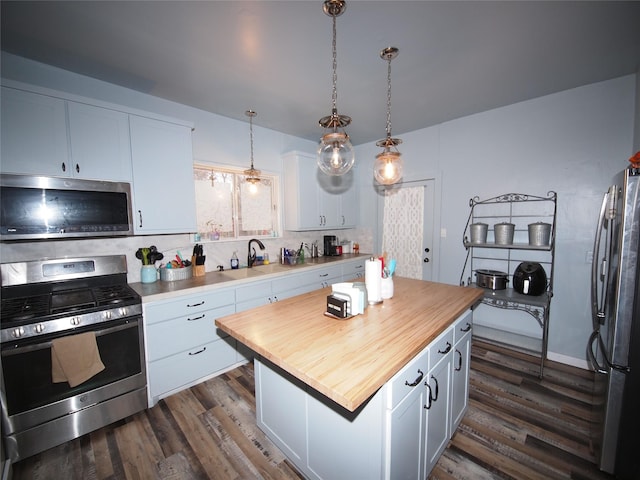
{"x":373,"y":280}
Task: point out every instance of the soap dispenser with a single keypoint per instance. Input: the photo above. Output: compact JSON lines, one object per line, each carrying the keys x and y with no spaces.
{"x":235,"y":263}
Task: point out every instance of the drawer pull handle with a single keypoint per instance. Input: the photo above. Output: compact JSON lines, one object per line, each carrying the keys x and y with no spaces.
{"x":459,"y":367}
{"x":196,"y":318}
{"x":324,"y":275}
{"x":434,"y":398}
{"x":446,"y":350}
{"x":195,"y":304}
{"x":417,"y":380}
{"x":467,"y":328}
{"x":199,"y":351}
{"x":428,"y":405}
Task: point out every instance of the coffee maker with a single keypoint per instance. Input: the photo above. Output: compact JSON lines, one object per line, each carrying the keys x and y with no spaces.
{"x":330,"y":246}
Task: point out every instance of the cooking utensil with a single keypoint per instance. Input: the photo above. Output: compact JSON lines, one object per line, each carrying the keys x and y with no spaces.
{"x":492,"y":279}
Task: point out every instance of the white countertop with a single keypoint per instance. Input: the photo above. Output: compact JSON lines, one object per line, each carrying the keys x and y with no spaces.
{"x":161,"y":290}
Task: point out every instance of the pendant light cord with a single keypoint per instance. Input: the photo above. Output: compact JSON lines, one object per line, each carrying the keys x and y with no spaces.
{"x":389,"y":97}
{"x":251,"y":136}
{"x":335,"y":67}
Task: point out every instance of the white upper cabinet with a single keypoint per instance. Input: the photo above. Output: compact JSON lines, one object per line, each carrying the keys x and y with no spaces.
{"x":45,"y":135}
{"x":163,"y":188}
{"x":34,"y":133}
{"x":315,"y":201}
{"x":100,"y":145}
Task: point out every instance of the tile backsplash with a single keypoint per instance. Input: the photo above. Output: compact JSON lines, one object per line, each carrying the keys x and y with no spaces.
{"x":217,"y":252}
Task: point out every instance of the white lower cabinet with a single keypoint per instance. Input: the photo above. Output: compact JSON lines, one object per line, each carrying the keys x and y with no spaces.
{"x":438,"y":407}
{"x":398,"y":434}
{"x":183,"y":345}
{"x":460,"y":370}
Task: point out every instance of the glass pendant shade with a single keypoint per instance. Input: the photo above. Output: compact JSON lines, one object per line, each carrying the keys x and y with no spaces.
{"x":387,"y":168}
{"x":335,"y":153}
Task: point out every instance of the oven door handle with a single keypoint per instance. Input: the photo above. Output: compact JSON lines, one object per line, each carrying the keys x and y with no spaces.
{"x":32,"y":347}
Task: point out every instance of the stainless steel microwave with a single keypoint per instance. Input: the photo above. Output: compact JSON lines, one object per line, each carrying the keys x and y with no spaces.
{"x":37,"y":207}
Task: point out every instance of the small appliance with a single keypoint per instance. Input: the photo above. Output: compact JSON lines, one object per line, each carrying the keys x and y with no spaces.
{"x":331,"y":246}
{"x":530,"y":278}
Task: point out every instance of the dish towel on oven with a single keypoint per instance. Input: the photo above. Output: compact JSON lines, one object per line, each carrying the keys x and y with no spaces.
{"x":75,"y":358}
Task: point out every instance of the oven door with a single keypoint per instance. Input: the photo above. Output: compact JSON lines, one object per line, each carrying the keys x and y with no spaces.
{"x":29,"y":396}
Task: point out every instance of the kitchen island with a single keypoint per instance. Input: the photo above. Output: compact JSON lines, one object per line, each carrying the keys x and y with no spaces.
{"x":332,"y":394}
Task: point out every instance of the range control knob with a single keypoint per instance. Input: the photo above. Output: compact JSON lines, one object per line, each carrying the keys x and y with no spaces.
{"x":38,"y":327}
{"x":123,"y":311}
{"x":75,"y":321}
{"x":17,"y":332}
{"x":107,"y":315}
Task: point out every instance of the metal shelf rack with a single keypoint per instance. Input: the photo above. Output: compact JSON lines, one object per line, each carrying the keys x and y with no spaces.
{"x":521,"y":210}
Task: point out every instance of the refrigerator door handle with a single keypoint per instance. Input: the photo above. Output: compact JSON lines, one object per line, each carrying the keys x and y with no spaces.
{"x":597,"y":313}
{"x":592,"y":356}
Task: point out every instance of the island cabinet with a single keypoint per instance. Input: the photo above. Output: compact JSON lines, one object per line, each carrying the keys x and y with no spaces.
{"x":182,"y":346}
{"x":398,"y":433}
{"x":315,"y":201}
{"x":46,"y":135}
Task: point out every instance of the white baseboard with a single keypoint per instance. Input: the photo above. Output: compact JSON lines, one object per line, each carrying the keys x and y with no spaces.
{"x":567,"y":360}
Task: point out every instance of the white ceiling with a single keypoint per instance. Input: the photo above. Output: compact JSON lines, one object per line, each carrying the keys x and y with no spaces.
{"x":456,"y":57}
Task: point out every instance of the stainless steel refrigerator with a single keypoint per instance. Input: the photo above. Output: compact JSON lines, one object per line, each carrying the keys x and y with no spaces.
{"x":614,"y":346}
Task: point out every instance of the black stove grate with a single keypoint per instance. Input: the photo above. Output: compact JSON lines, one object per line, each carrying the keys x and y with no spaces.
{"x":15,"y":309}
{"x":114,"y":294}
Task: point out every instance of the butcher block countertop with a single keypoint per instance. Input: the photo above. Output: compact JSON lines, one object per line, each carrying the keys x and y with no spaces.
{"x":348,"y":360}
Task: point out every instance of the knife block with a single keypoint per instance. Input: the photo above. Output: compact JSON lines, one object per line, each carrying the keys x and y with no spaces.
{"x":198,"y":270}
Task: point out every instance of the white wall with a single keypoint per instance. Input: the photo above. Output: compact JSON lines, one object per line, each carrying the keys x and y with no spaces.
{"x":572,"y":142}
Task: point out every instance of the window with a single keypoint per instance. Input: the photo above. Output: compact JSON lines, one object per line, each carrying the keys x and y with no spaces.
{"x":227,"y":206}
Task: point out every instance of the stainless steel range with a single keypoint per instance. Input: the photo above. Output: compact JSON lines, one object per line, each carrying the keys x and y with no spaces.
{"x":47,"y":306}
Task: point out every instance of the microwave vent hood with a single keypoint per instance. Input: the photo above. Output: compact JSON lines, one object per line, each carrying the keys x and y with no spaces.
{"x":38,"y":207}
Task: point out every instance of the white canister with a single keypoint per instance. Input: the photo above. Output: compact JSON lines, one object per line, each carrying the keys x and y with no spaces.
{"x":386,"y":288}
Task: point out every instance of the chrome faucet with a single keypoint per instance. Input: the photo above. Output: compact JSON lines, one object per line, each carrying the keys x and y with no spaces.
{"x":251,"y":258}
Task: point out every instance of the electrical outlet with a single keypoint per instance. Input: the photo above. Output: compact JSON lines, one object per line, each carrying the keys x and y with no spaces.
{"x":588,"y":258}
{"x":443,"y":233}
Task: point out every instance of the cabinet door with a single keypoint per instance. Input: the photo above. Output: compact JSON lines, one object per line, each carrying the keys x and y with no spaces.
{"x":349,"y":208}
{"x":34,"y":134}
{"x":163,"y":186}
{"x":302,"y":201}
{"x":100,"y":145}
{"x":460,"y":387}
{"x":437,"y":406}
{"x":405,"y":427}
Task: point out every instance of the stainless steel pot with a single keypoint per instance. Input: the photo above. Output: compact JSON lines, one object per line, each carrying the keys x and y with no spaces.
{"x":492,"y":279}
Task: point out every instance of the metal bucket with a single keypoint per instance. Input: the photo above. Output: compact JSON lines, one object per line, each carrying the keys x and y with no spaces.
{"x":478,"y":232}
{"x":504,"y":233}
{"x":539,"y":234}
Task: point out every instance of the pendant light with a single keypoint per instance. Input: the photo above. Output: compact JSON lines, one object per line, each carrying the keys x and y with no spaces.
{"x":253,"y":175}
{"x":335,"y":152}
{"x":387,"y":168}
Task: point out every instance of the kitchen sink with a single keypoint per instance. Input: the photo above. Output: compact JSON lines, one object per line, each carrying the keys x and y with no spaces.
{"x":241,"y":273}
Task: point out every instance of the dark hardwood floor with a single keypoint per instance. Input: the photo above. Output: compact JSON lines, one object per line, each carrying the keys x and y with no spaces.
{"x":517,"y":427}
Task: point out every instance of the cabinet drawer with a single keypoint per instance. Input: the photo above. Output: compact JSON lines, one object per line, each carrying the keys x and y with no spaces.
{"x":179,"y":334}
{"x":352,"y":271}
{"x":411,"y":377}
{"x":187,"y":305}
{"x":252,"y":291}
{"x":462,"y":326}
{"x":185,"y":368}
{"x":440,"y":347}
